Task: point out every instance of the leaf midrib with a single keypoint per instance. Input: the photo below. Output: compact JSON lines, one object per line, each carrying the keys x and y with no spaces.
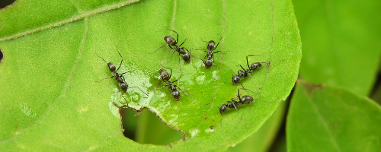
{"x":72,"y":19}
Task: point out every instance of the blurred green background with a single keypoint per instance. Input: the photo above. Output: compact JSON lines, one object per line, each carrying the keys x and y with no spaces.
{"x":341,"y":47}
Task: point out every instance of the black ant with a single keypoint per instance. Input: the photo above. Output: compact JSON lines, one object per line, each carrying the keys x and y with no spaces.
{"x":119,"y":77}
{"x":246,"y":99}
{"x":245,"y":72}
{"x":164,"y":75}
{"x":208,"y":59}
{"x":172,"y":43}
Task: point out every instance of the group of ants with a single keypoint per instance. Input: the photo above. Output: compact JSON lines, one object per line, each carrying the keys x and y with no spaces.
{"x":208,"y":61}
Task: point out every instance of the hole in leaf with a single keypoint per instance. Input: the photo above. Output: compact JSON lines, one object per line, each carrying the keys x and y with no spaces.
{"x":147,"y":128}
{"x":5,"y":3}
{"x":1,"y":55}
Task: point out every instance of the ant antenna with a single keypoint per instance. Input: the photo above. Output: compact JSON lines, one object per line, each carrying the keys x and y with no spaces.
{"x":140,"y":90}
{"x":100,"y":57}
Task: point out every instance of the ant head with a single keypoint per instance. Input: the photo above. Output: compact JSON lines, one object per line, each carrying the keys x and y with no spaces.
{"x":211,"y":45}
{"x":164,"y":75}
{"x":223,"y":108}
{"x":176,"y":95}
{"x":255,"y":65}
{"x":235,"y":79}
{"x":170,"y":40}
{"x":186,"y":57}
{"x":111,"y":67}
{"x":246,"y":99}
{"x":208,"y":63}
{"x":124,"y":86}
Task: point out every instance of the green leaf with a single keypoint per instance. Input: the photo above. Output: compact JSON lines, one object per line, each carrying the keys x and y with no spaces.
{"x":330,"y":118}
{"x":341,"y":42}
{"x":264,"y":137}
{"x":50,"y":99}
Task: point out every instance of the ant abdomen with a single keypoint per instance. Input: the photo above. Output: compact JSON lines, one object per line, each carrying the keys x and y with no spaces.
{"x":208,"y":63}
{"x":235,"y":79}
{"x":124,"y":86}
{"x":246,"y":99}
{"x":186,"y":57}
{"x":176,"y":95}
{"x":255,"y":65}
{"x":223,"y":108}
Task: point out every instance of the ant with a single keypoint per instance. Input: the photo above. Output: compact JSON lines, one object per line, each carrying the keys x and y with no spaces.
{"x":164,"y":75}
{"x":119,"y":77}
{"x":172,"y":43}
{"x":208,"y":59}
{"x":245,"y":72}
{"x":246,"y":99}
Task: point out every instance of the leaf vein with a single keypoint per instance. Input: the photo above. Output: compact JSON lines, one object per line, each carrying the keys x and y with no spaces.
{"x":75,"y":18}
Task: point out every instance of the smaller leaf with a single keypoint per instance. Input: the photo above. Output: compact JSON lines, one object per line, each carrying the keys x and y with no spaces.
{"x":329,"y":118}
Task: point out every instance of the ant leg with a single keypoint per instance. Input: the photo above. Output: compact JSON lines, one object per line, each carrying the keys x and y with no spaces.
{"x":221,"y":123}
{"x":247,"y":58}
{"x":254,"y":80}
{"x":105,"y":78}
{"x":217,"y":44}
{"x":177,"y":78}
{"x":190,"y":53}
{"x":171,"y":73}
{"x":210,"y":103}
{"x":239,"y":96}
{"x":186,"y":93}
{"x":161,"y":87}
{"x":242,"y":68}
{"x":236,"y":109}
{"x":183,"y":42}
{"x":156,"y":49}
{"x":177,"y":37}
{"x":256,"y":55}
{"x":124,"y":98}
{"x":247,"y":61}
{"x":243,"y":88}
{"x":179,"y":61}
{"x":140,"y":90}
{"x":127,"y":72}
{"x":120,"y":61}
{"x":171,"y":56}
{"x":205,"y":50}
{"x":217,"y":51}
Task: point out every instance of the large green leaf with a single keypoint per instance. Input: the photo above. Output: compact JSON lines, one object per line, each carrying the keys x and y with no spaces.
{"x":329,"y":118}
{"x":50,"y":98}
{"x":341,"y":42}
{"x":264,"y":137}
